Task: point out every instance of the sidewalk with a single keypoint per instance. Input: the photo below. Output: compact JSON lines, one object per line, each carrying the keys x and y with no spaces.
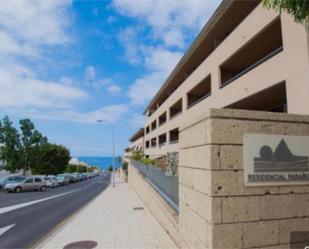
{"x":111,"y":221}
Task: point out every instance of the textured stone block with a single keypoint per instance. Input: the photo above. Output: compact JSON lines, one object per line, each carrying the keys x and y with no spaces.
{"x":203,"y":157}
{"x":292,"y":225}
{"x":197,"y":224}
{"x":190,"y":237}
{"x":240,"y":209}
{"x":231,"y":183}
{"x":294,"y":189}
{"x":195,"y":178}
{"x":207,"y":207}
{"x":302,"y":205}
{"x":262,"y":233}
{"x":277,"y":206}
{"x":231,"y":157}
{"x":195,"y":135}
{"x":229,"y":131}
{"x":226,"y":236}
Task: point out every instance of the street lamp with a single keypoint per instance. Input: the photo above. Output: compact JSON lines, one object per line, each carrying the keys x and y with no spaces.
{"x":113,"y":129}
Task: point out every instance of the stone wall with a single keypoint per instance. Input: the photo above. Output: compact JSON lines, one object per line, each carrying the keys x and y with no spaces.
{"x":164,"y":214}
{"x":216,"y":209}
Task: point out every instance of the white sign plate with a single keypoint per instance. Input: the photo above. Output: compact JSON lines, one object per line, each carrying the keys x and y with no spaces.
{"x":276,"y":160}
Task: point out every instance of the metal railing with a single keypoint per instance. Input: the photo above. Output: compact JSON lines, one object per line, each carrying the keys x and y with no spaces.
{"x":167,"y":186}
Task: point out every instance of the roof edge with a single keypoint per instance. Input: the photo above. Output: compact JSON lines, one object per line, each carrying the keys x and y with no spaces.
{"x":223,"y":6}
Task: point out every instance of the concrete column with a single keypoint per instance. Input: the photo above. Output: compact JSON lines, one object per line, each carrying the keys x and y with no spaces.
{"x":296,"y":50}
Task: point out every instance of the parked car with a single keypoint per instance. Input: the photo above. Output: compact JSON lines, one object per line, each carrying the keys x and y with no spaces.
{"x":74,"y":177}
{"x":51,"y":182}
{"x":83,"y":176}
{"x":10,"y":179}
{"x":30,"y":183}
{"x":63,"y":179}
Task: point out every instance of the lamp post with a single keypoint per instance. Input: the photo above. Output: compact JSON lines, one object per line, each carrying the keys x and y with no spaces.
{"x":113,"y":133}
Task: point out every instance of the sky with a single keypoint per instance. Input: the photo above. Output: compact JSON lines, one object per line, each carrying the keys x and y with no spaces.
{"x":65,"y":64}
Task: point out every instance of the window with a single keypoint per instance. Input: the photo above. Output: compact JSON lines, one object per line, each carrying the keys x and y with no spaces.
{"x":162,"y":139}
{"x":176,"y":109}
{"x":37,"y":179}
{"x":147,"y":129}
{"x":154,"y":142}
{"x":162,"y":119}
{"x":30,"y":180}
{"x":147,"y":144}
{"x":272,"y":99}
{"x":154,"y":125}
{"x":174,"y":136}
{"x":262,"y":47}
{"x":199,"y":92}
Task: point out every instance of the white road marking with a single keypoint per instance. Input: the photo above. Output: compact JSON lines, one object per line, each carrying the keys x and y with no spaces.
{"x":4,"y":229}
{"x":14,"y":207}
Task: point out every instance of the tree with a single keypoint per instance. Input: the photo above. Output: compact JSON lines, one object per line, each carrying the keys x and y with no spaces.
{"x":30,"y":140}
{"x":298,"y":8}
{"x":10,"y":151}
{"x":81,"y":169}
{"x":110,"y":168}
{"x":71,"y":168}
{"x":52,"y":159}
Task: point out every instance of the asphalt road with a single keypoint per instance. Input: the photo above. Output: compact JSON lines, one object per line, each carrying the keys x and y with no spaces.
{"x":29,"y":216}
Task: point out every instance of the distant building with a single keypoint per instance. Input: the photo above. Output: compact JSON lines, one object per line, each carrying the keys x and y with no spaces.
{"x":246,"y":57}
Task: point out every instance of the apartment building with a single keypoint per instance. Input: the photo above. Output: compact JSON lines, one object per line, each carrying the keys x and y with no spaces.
{"x":136,"y":142}
{"x":246,"y":57}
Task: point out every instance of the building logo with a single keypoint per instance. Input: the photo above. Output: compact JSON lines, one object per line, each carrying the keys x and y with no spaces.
{"x":281,"y":160}
{"x":275,"y":160}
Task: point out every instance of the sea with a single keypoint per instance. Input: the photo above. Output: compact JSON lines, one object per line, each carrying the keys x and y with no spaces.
{"x":101,"y":162}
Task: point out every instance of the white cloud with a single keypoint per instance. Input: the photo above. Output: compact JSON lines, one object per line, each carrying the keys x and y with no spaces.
{"x":137,"y":120}
{"x":109,"y":113}
{"x":36,"y":22}
{"x":159,"y":63}
{"x":169,"y":19}
{"x":90,"y":74}
{"x":92,"y":80}
{"x":9,"y":46}
{"x":113,"y":89}
{"x":128,"y":37}
{"x":19,"y":88}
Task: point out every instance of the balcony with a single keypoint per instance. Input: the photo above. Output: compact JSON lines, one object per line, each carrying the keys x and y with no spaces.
{"x":199,"y":92}
{"x":272,"y":99}
{"x":262,"y":47}
{"x":154,"y":125}
{"x":147,"y":144}
{"x":176,"y":109}
{"x":154,"y":142}
{"x":174,"y":136}
{"x":162,"y":119}
{"x":162,"y":140}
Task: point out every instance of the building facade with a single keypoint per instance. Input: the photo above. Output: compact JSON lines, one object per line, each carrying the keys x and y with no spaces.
{"x":246,"y":57}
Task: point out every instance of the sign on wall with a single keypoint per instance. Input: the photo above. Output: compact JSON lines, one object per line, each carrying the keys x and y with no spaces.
{"x":276,"y":160}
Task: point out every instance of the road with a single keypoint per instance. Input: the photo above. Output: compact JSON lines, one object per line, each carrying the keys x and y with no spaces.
{"x":27,"y":217}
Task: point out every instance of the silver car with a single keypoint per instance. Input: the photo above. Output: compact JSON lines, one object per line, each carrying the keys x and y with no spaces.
{"x":30,"y":183}
{"x":10,"y":179}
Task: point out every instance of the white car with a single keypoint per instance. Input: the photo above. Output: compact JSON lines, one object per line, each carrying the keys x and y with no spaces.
{"x":51,"y":182}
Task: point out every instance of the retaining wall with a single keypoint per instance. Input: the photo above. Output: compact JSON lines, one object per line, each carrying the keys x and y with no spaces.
{"x":165,"y":215}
